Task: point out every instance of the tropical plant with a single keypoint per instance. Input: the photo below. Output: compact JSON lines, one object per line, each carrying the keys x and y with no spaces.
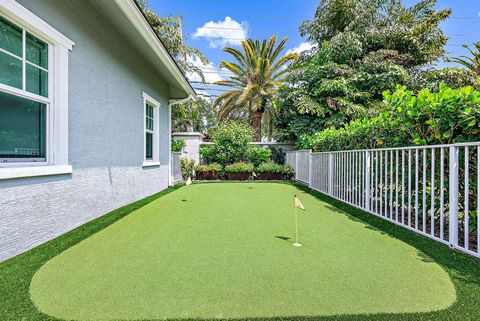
{"x":240,"y":167}
{"x":186,"y":167}
{"x":363,"y":48}
{"x":472,"y":63}
{"x":386,"y":29}
{"x":178,"y":145}
{"x":258,"y":71}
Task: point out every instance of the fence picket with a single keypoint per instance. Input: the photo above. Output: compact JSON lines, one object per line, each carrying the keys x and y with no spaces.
{"x":377,"y":181}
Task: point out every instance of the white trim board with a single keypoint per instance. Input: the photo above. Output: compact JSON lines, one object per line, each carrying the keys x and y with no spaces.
{"x":22,"y":16}
{"x":137,"y":19}
{"x":57,"y":100}
{"x":33,"y":171}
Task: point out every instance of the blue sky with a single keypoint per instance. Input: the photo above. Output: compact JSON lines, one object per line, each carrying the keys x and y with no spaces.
{"x":225,"y":22}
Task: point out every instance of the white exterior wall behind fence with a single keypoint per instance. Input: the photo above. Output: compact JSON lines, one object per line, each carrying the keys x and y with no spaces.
{"x":432,"y":190}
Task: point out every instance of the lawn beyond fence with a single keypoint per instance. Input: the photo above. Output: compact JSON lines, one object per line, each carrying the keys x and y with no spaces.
{"x":432,"y":190}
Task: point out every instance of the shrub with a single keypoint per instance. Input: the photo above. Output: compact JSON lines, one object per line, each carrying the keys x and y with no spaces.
{"x":270,"y":167}
{"x":207,"y":154}
{"x":186,"y":166}
{"x":214,"y":167}
{"x":231,"y":144}
{"x":277,"y":154}
{"x":442,"y":117}
{"x":257,"y":155}
{"x":446,"y":116}
{"x":288,"y":172}
{"x":240,"y":167}
{"x":178,"y":145}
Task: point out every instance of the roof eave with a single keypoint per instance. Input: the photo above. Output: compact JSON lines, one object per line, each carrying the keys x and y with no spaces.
{"x":135,"y":15}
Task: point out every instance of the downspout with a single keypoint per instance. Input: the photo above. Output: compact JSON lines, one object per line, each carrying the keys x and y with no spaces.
{"x":171,"y":103}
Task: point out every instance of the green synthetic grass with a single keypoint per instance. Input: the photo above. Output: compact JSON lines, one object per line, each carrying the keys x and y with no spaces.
{"x":226,"y":254}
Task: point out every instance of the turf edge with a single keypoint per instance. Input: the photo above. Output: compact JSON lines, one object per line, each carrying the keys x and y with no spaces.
{"x":17,"y":272}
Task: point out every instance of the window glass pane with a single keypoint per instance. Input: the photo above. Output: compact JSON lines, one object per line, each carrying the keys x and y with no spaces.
{"x":36,"y":51}
{"x":149,"y":146}
{"x":10,"y":37}
{"x":37,"y":80}
{"x":149,"y":117}
{"x":10,"y":71}
{"x":22,"y":129}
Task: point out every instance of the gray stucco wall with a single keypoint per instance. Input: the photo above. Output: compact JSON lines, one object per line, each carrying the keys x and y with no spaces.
{"x":106,"y":140}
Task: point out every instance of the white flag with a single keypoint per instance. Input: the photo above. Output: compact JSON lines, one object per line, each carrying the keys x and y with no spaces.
{"x":299,"y":204}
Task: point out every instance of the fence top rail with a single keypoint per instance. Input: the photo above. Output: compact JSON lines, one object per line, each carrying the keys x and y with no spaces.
{"x":402,"y":148}
{"x":300,"y":150}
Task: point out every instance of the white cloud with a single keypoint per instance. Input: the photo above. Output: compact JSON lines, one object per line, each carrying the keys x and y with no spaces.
{"x":301,"y":47}
{"x":222,"y":33}
{"x":210,"y":71}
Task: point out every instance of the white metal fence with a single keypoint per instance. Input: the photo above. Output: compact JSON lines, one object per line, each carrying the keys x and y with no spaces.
{"x":176,"y":170}
{"x":432,"y":190}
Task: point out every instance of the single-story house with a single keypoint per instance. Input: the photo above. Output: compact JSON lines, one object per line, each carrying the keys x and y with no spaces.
{"x":86,"y":89}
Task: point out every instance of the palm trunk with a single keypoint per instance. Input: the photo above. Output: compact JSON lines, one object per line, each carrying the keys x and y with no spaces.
{"x":257,"y":116}
{"x":257,"y":124}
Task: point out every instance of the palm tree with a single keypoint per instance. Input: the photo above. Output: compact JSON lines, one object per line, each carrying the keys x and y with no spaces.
{"x":473,"y":62}
{"x":257,"y":73}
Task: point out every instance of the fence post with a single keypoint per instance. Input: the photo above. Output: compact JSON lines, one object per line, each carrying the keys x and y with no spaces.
{"x":310,"y":168}
{"x":296,"y":165}
{"x":367,"y":180}
{"x":453,"y":196}
{"x":330,"y":174}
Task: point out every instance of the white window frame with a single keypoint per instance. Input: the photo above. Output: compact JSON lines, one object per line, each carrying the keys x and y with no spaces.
{"x":57,"y":101}
{"x":156,"y":129}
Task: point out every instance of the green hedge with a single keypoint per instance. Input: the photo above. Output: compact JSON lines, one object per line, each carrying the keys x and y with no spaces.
{"x":445,"y":116}
{"x":214,"y":167}
{"x":240,"y":167}
{"x":270,"y":167}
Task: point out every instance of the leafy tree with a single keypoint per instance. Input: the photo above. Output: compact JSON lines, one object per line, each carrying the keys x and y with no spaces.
{"x":364,"y":47}
{"x":192,"y":116}
{"x":431,"y":79}
{"x":169,"y":30}
{"x":471,"y":63}
{"x":258,"y":71}
{"x":231,"y":143}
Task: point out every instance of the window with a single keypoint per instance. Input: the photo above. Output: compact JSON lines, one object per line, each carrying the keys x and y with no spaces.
{"x":23,"y":59}
{"x":22,"y":128}
{"x":151,"y":107}
{"x":33,"y":95}
{"x":149,"y":132}
{"x":23,"y":121}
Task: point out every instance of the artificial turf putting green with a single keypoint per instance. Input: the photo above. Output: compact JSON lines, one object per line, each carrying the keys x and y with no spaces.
{"x":225,"y":255}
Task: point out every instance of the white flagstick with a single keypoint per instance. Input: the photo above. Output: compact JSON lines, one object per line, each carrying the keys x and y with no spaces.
{"x":296,"y":224}
{"x":188,"y":183}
